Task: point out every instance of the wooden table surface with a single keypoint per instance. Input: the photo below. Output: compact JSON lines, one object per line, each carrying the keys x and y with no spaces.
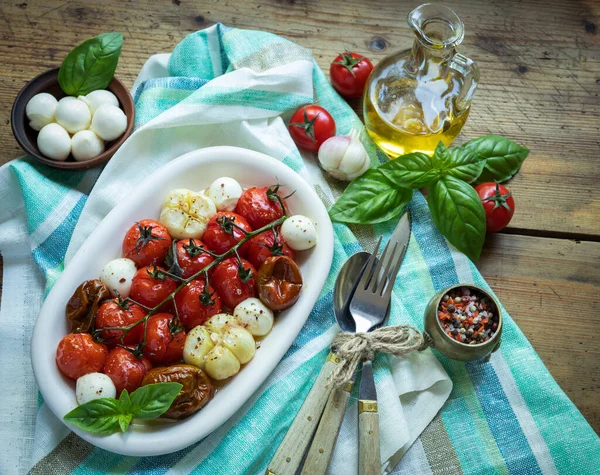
{"x":540,"y":80}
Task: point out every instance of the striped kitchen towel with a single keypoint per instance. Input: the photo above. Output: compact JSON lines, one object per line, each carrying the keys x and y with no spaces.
{"x":225,"y":86}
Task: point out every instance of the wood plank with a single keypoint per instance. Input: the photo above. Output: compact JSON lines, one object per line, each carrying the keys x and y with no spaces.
{"x":551,"y":288}
{"x":539,"y":60}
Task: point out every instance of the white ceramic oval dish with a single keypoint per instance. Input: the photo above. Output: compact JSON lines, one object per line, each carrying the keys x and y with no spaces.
{"x":195,"y":170}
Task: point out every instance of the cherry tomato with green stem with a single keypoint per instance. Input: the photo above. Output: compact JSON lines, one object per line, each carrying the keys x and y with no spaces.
{"x":147,"y":242}
{"x":150,"y":286}
{"x":498,"y":204}
{"x":234,"y":281}
{"x":310,"y":126}
{"x":119,"y":313}
{"x":125,"y":369}
{"x":261,"y":206}
{"x":349,"y":72}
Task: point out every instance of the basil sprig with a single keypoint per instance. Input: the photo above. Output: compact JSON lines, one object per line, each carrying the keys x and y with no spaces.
{"x":108,"y":415}
{"x":382,"y":192}
{"x":91,"y":65}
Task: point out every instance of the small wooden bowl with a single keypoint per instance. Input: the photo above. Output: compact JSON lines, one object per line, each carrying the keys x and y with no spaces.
{"x":27,"y":137}
{"x":449,"y":346}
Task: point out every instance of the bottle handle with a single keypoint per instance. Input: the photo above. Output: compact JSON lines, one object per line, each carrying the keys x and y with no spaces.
{"x":468,"y":69}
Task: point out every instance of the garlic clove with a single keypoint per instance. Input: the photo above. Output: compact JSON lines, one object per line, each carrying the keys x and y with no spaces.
{"x":197,"y":345}
{"x":240,"y":342}
{"x":221,"y":363}
{"x":344,"y":157}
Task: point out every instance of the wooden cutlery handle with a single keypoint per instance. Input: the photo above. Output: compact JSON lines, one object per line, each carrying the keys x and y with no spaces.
{"x":369,"y":458}
{"x":290,"y":453}
{"x":322,"y":446}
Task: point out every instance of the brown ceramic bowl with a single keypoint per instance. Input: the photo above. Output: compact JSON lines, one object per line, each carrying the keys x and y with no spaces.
{"x":27,"y":137}
{"x":449,"y":346}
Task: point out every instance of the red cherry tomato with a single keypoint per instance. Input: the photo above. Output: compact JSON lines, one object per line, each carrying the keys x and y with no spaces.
{"x":125,"y":369}
{"x":228,"y":282}
{"x":196,"y":306}
{"x":263,"y":245}
{"x":150,"y":286}
{"x":218,"y":239}
{"x":349,"y":73}
{"x":146,"y":243}
{"x":78,"y":354}
{"x":498,"y":204}
{"x":310,"y":126}
{"x":191,"y":257}
{"x":260,"y":206}
{"x":158,"y":337}
{"x":174,"y":353}
{"x":111,"y":314}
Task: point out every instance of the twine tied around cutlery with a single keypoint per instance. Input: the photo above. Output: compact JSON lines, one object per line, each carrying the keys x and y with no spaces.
{"x":354,"y":348}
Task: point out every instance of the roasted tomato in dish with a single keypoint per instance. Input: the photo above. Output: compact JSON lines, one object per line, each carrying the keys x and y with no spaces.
{"x":266,"y":244}
{"x":125,"y":369}
{"x":310,"y":126}
{"x":349,"y":73}
{"x":78,"y":354}
{"x":279,"y":282}
{"x":113,"y":313}
{"x":223,"y":232}
{"x":196,"y":392}
{"x":234,"y":283}
{"x":174,"y":353}
{"x":261,"y":206}
{"x":159,"y":334}
{"x":195,"y":305}
{"x":147,"y":242}
{"x":151,"y":286}
{"x":192,"y":256}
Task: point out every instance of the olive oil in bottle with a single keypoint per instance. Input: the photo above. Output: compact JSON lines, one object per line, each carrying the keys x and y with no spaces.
{"x":421,"y":96}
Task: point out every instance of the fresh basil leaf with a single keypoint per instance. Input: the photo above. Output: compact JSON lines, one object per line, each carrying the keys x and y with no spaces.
{"x":153,"y":400}
{"x":91,"y":65}
{"x":99,"y":416}
{"x":458,"y":213}
{"x":413,"y":170}
{"x":459,"y":162}
{"x":124,"y":402}
{"x":371,"y":198}
{"x":124,"y":421}
{"x":503,"y":157}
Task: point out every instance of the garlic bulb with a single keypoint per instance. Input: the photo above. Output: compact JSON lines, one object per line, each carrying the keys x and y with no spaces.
{"x":344,"y":156}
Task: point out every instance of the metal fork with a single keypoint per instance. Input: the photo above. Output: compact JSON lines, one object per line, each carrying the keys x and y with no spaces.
{"x":368,"y":308}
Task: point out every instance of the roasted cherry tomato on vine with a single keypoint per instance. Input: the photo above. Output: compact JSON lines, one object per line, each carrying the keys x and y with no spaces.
{"x":261,"y":206}
{"x":194,"y":305}
{"x":223,"y":232}
{"x":310,"y":126}
{"x":115,"y":313}
{"x":150,"y":286}
{"x":232,"y":283}
{"x":349,"y":72}
{"x":125,"y":369}
{"x":498,"y":204}
{"x":78,"y":354}
{"x":192,"y":256}
{"x":147,"y":242}
{"x":279,"y":282}
{"x":174,"y":353}
{"x":159,"y":334}
{"x":266,"y":244}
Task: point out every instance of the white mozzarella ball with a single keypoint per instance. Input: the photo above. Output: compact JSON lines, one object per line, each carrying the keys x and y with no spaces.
{"x":40,"y":110}
{"x":255,"y":316}
{"x":225,"y":193}
{"x":94,"y":386}
{"x":186,"y":213}
{"x":86,"y":145}
{"x":109,"y":122}
{"x":74,"y":115}
{"x":98,"y":98}
{"x":239,"y":341}
{"x":54,"y":142}
{"x":221,"y":363}
{"x":299,"y":232}
{"x":197,"y":344}
{"x":117,"y":276}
